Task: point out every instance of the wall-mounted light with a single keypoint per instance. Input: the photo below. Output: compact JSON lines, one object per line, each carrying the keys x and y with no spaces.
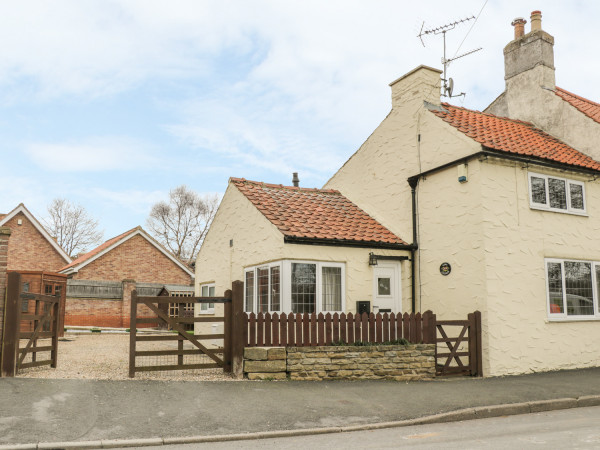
{"x":463,"y":173}
{"x":372,"y":259}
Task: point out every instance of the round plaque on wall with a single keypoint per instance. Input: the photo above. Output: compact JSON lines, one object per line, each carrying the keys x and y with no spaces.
{"x":445,"y":269}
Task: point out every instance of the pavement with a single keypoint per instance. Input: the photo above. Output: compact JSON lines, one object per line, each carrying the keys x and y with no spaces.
{"x":46,"y":413}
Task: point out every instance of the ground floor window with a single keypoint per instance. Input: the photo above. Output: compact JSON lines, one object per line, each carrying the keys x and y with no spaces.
{"x":573,"y":288}
{"x":295,"y":286}
{"x":207,"y":290}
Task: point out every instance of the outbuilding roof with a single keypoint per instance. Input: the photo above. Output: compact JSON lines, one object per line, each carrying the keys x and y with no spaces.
{"x":319,"y":214}
{"x":512,"y":136}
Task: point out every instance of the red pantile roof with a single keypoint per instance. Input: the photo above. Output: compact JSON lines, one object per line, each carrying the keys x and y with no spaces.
{"x":314,"y":213}
{"x":513,"y":136}
{"x":98,"y":249}
{"x":587,"y":107}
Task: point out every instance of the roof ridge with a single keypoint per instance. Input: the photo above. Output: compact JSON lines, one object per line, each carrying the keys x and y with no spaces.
{"x":509,"y":119}
{"x":281,"y":186}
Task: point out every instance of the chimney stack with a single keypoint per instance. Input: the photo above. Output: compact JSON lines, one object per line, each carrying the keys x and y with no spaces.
{"x":519,"y":24}
{"x":295,"y":179}
{"x":536,"y":20}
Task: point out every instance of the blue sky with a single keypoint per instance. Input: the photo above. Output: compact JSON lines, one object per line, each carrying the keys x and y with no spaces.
{"x":111,"y":104}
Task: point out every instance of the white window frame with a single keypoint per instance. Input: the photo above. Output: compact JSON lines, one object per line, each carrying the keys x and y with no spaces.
{"x":206,"y":308}
{"x":254,"y":269}
{"x":546,"y":206}
{"x":285,"y":280}
{"x":564,"y":317}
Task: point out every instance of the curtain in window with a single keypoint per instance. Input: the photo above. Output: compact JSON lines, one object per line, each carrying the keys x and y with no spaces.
{"x":332,"y":288}
{"x":275,"y":289}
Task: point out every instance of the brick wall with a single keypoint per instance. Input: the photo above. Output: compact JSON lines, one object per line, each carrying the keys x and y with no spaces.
{"x":29,"y":250}
{"x":135,"y":259}
{"x":4,"y":235}
{"x":104,"y":312}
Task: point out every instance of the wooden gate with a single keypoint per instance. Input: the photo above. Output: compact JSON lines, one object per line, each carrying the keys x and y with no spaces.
{"x":220,"y":357}
{"x":23,"y":331}
{"x":458,"y":346}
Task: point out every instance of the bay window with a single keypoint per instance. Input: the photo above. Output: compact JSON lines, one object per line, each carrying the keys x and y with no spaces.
{"x":573,"y":289}
{"x":295,"y":286}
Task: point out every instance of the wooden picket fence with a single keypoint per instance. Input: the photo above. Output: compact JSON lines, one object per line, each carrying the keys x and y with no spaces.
{"x":304,"y":330}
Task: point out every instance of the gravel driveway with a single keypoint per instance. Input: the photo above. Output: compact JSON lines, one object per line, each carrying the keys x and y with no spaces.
{"x":106,"y":357}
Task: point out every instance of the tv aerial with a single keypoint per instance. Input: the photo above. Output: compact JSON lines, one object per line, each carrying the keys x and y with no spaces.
{"x":448,"y":87}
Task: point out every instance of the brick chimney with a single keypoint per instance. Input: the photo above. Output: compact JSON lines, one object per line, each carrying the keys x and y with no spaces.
{"x":534,"y":50}
{"x":418,"y":85}
{"x":519,"y":24}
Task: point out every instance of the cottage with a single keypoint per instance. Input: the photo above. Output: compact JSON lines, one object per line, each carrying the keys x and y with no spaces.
{"x":453,"y":210}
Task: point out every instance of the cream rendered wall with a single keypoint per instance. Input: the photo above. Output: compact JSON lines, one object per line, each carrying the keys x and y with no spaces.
{"x":375,"y":177}
{"x":254,"y":239}
{"x":451,"y":230}
{"x":517,"y":238}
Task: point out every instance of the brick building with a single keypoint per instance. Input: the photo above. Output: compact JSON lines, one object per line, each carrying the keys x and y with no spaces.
{"x":31,"y":247}
{"x":101,"y":281}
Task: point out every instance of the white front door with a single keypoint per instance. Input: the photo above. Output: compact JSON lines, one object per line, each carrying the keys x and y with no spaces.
{"x":386,"y":287}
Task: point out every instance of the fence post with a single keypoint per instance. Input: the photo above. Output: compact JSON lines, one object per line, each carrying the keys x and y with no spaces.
{"x":227,"y":367}
{"x":132,"y":332}
{"x":10,"y":332}
{"x":478,"y":345}
{"x":472,"y":344}
{"x":55,"y":327}
{"x":237,"y":333}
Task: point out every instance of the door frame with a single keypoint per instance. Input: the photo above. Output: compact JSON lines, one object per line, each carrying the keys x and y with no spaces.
{"x":397,"y":268}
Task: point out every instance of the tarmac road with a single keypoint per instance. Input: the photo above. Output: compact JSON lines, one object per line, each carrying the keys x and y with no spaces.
{"x":36,"y":410}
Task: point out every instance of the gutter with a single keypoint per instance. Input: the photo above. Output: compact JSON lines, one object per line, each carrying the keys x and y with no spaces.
{"x":345,"y":243}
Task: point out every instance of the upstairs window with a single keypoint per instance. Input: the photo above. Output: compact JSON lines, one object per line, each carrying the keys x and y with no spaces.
{"x":556,"y":194}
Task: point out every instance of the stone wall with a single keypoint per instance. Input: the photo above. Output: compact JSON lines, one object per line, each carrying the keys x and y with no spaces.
{"x":379,"y":362}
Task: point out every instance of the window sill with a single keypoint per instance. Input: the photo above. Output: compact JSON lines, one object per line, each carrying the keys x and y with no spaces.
{"x":204,"y":313}
{"x":572,"y":319}
{"x":560,"y":211}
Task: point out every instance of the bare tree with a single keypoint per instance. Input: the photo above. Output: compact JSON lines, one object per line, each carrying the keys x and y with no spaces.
{"x":72,"y":227}
{"x":181,"y":223}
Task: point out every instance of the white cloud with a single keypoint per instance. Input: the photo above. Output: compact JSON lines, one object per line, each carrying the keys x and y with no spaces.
{"x":134,"y":200}
{"x":91,"y":155}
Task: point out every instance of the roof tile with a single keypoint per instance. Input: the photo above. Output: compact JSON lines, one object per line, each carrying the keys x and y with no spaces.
{"x":513,"y":136}
{"x":314,"y":213}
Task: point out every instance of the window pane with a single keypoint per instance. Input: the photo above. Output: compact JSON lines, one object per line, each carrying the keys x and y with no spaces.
{"x":558,"y":193}
{"x":304,"y":283}
{"x":204,"y":292}
{"x":211,"y":293}
{"x":598,"y":287}
{"x":578,"y":281}
{"x":538,"y":190}
{"x":555,"y":288}
{"x":275,"y":289}
{"x":576,"y":191}
{"x":383,"y":286}
{"x":332,"y":288}
{"x":249,"y":291}
{"x":263,"y":289}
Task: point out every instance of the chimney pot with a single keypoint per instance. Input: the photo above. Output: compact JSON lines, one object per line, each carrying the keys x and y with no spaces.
{"x":519,"y":24}
{"x":536,"y":20}
{"x":295,"y":179}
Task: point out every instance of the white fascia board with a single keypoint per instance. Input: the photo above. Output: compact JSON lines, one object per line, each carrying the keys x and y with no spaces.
{"x":38,"y":226}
